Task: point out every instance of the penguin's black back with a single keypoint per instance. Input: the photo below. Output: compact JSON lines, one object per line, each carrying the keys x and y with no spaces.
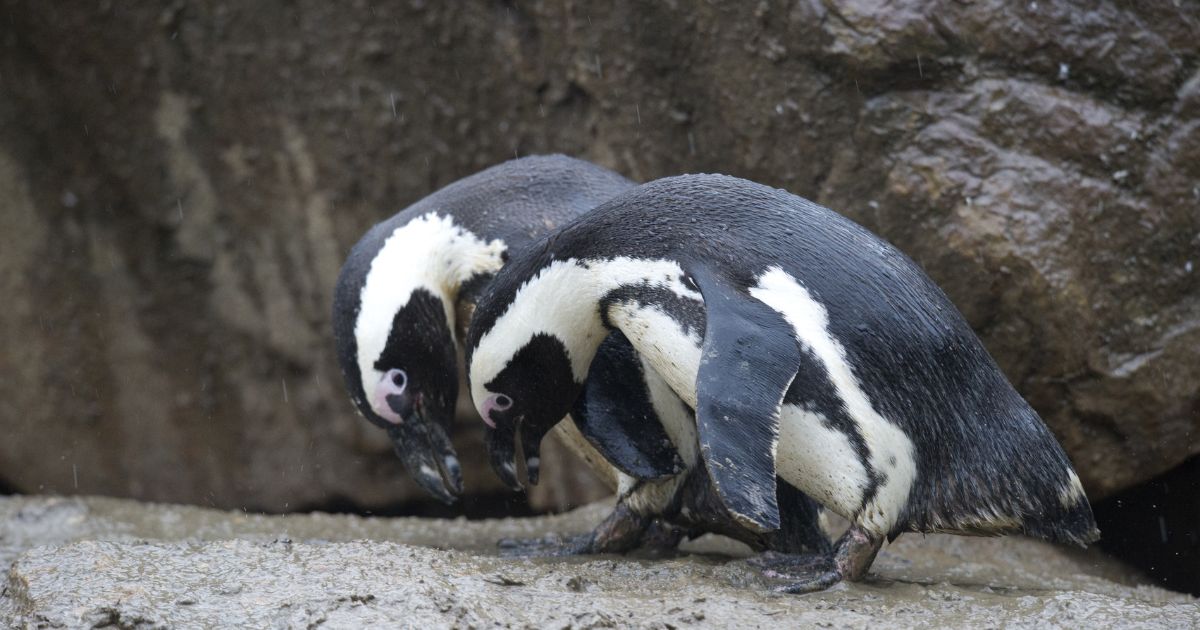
{"x":516,"y":201}
{"x":983,"y":455}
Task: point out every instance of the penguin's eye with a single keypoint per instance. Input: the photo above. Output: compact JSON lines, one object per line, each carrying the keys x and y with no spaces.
{"x":502,"y":402}
{"x":398,"y":378}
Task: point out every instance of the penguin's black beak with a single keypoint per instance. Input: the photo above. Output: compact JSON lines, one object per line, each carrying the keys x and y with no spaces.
{"x":425,"y":449}
{"x":531,"y":445}
{"x":501,"y":445}
{"x":502,"y":452}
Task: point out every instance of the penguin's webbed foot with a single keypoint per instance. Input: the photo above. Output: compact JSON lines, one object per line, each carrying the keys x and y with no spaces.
{"x":806,"y":573}
{"x":662,"y":537}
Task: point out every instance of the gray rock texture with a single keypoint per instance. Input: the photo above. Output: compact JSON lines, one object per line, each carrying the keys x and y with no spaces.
{"x":180,"y":181}
{"x":110,"y":563}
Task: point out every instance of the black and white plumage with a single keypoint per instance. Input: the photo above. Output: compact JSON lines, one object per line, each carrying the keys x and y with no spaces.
{"x":809,"y":349}
{"x":408,"y":288}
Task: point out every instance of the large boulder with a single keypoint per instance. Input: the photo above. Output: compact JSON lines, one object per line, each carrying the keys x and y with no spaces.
{"x":179,"y":183}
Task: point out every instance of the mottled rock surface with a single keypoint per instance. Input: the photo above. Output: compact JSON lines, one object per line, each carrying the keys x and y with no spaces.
{"x":105,"y":562}
{"x":180,"y":181}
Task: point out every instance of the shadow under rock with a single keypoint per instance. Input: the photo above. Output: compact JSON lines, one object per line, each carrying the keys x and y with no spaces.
{"x":1155,"y":527}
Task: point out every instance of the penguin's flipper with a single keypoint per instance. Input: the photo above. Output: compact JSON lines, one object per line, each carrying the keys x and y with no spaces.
{"x":616,"y":416}
{"x":748,"y":360}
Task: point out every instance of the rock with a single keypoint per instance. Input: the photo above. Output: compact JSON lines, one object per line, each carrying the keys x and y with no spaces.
{"x":185,"y":183}
{"x":107,"y":562}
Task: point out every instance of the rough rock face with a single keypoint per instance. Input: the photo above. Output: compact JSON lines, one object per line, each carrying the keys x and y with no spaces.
{"x":103,"y":562}
{"x":179,"y":183}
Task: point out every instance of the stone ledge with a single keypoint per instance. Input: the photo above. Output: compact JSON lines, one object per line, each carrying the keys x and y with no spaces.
{"x":85,"y":562}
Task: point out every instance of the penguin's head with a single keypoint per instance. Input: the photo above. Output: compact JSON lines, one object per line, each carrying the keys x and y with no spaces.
{"x":515,"y":406}
{"x":394,"y":323}
{"x":407,"y":386}
{"x":532,"y":339}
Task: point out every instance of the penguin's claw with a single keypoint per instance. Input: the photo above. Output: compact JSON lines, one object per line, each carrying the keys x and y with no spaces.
{"x":811,"y":584}
{"x":775,"y":564}
{"x":803,"y":573}
{"x":549,"y":546}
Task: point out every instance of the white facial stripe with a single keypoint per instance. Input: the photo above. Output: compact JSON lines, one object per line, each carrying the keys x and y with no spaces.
{"x":563,"y":300}
{"x":429,"y":252}
{"x":559,"y":301}
{"x":885,"y":441}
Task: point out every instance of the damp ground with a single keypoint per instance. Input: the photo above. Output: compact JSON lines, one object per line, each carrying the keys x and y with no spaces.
{"x":88,"y":562}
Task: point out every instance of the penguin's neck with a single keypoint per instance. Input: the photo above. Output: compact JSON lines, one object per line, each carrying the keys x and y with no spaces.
{"x":444,"y":255}
{"x":570,"y":301}
{"x":431,"y":253}
{"x":662,"y":316}
{"x":627,"y":293}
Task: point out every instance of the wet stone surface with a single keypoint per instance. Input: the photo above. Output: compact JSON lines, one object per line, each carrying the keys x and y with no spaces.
{"x":103,"y":562}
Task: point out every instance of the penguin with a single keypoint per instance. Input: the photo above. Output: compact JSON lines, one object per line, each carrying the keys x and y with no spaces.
{"x":811,"y":351}
{"x":406,"y":291}
{"x":403,"y":300}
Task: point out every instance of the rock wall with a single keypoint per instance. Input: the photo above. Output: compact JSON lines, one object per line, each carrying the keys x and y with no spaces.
{"x":179,"y":182}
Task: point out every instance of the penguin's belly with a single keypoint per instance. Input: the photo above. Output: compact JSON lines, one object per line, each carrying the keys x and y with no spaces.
{"x":820,"y":460}
{"x":812,"y":456}
{"x":648,"y":498}
{"x":569,"y":435}
{"x":880,"y":475}
{"x":676,"y":417}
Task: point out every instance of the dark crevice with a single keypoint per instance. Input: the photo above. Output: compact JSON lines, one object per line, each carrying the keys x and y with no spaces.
{"x":1155,"y":527}
{"x":905,"y":75}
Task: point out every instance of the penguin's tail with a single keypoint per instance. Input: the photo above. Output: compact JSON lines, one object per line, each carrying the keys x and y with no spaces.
{"x":1071,"y":521}
{"x":1021,"y":484}
{"x":1059,"y":515}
